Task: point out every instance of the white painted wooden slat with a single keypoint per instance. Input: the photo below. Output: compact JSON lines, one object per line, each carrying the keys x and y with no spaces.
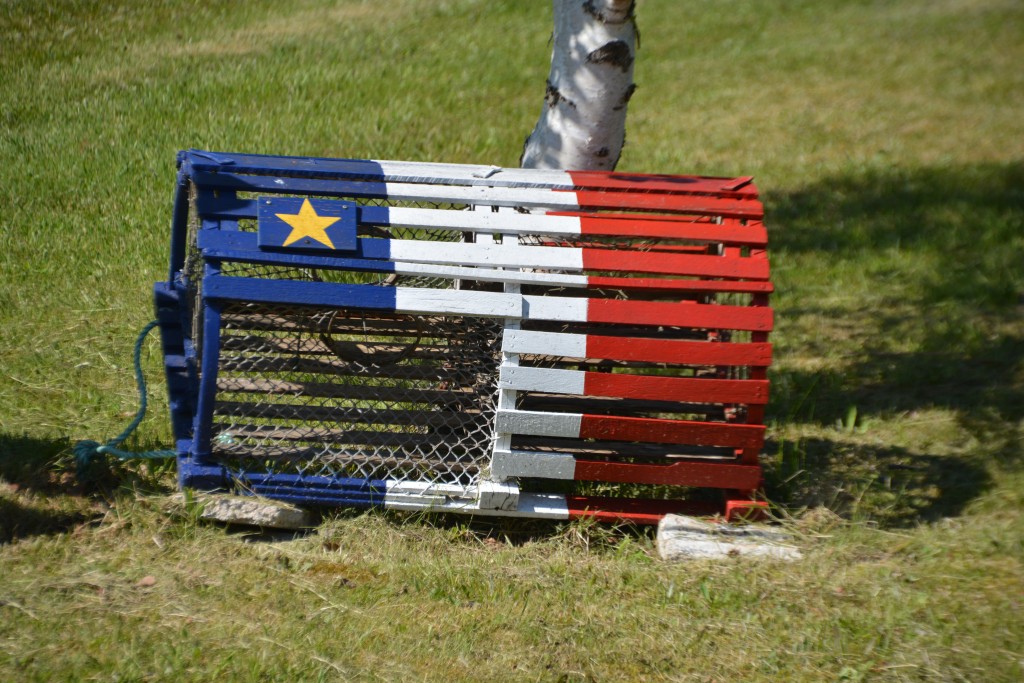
{"x":546,"y":343}
{"x":507,"y":398}
{"x":479,"y":221}
{"x":490,"y":274}
{"x":457,"y":302}
{"x":549,"y":380}
{"x":539,"y":424}
{"x":538,"y":505}
{"x":470,"y":174}
{"x":555,"y":308}
{"x":507,"y":464}
{"x":491,"y":196}
{"x":495,"y":255}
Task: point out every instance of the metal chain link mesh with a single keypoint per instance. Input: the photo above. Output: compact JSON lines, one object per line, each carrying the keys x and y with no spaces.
{"x":355,"y":393}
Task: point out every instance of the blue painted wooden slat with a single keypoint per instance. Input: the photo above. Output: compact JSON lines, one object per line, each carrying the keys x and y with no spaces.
{"x":239,"y":246}
{"x":223,"y":204}
{"x":309,"y":186}
{"x":295,"y":293}
{"x":274,"y":258}
{"x":200,"y":475}
{"x":179,"y":223}
{"x":227,"y":205}
{"x":348,"y":484}
{"x":209,"y":367}
{"x":296,"y":166}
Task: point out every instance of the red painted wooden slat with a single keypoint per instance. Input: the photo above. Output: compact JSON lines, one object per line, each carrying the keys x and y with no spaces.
{"x":709,"y":475}
{"x":680,"y":314}
{"x":677,"y":351}
{"x":654,"y":430}
{"x":687,"y":389}
{"x":690,"y":204}
{"x":675,"y":264}
{"x":636,"y":510}
{"x":666,"y":284}
{"x":737,"y":183}
{"x":636,"y":226}
{"x":740,"y":187}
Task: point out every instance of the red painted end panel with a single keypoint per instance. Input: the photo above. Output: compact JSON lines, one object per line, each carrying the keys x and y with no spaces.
{"x":754,"y":318}
{"x":633,"y":226}
{"x":653,"y":430}
{"x":675,"y":264}
{"x":709,"y":475}
{"x":683,"y":389}
{"x":635,"y":510}
{"x":672,"y":285}
{"x":737,"y":187}
{"x":676,"y":351}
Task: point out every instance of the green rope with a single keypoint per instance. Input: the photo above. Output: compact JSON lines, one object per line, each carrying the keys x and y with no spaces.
{"x":86,"y":451}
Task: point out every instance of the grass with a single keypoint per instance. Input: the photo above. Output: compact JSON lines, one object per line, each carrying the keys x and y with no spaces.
{"x":887,"y":140}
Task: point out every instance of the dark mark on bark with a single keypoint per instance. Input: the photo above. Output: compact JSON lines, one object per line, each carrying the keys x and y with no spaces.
{"x":588,"y":7}
{"x":624,"y":100}
{"x":553,"y":96}
{"x":615,"y":53}
{"x":603,"y":152}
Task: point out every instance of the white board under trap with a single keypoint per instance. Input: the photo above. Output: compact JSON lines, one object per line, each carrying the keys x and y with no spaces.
{"x":488,"y":498}
{"x":688,"y":538}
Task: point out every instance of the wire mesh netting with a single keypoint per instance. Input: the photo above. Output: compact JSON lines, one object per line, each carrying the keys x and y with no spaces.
{"x":355,"y":393}
{"x":348,"y":393}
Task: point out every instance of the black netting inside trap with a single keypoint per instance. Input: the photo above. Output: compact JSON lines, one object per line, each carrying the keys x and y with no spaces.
{"x":348,"y":393}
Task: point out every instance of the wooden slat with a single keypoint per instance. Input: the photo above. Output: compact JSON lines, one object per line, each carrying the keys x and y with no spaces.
{"x":708,"y":475}
{"x":653,"y":452}
{"x":675,"y":264}
{"x":671,"y":431}
{"x":685,"y":314}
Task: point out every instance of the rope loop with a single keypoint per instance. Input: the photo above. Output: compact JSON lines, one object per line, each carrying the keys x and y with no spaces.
{"x":86,"y":451}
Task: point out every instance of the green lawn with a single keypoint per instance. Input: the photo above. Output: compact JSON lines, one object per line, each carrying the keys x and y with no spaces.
{"x":888,"y":141}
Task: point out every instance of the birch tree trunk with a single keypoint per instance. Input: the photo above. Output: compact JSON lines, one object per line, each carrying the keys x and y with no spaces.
{"x":582,"y":124}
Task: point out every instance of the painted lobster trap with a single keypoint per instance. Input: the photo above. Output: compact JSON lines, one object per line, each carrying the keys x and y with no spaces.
{"x":467,"y":338}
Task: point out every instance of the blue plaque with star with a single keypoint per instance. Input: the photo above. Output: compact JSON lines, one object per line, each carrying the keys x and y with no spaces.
{"x":307,"y":224}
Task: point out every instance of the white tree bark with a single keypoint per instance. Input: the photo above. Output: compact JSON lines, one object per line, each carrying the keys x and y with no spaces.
{"x":582,"y":124}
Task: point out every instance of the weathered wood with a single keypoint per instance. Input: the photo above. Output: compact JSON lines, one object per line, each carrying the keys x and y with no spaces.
{"x":686,"y":538}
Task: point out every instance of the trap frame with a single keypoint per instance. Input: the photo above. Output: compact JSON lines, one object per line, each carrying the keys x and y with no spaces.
{"x":466,"y":338}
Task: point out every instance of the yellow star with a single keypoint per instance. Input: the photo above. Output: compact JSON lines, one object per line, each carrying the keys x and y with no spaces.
{"x":306,"y":223}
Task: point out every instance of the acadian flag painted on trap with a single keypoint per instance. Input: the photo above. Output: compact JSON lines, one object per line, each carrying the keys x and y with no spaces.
{"x":427,"y":336}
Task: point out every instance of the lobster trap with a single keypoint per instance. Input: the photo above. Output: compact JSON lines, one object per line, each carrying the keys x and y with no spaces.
{"x":467,"y":338}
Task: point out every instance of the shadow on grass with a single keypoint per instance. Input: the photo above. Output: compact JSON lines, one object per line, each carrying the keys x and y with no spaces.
{"x":31,"y":463}
{"x":39,"y":496}
{"x":943,"y":249}
{"x":892,"y":486}
{"x":937,"y":254}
